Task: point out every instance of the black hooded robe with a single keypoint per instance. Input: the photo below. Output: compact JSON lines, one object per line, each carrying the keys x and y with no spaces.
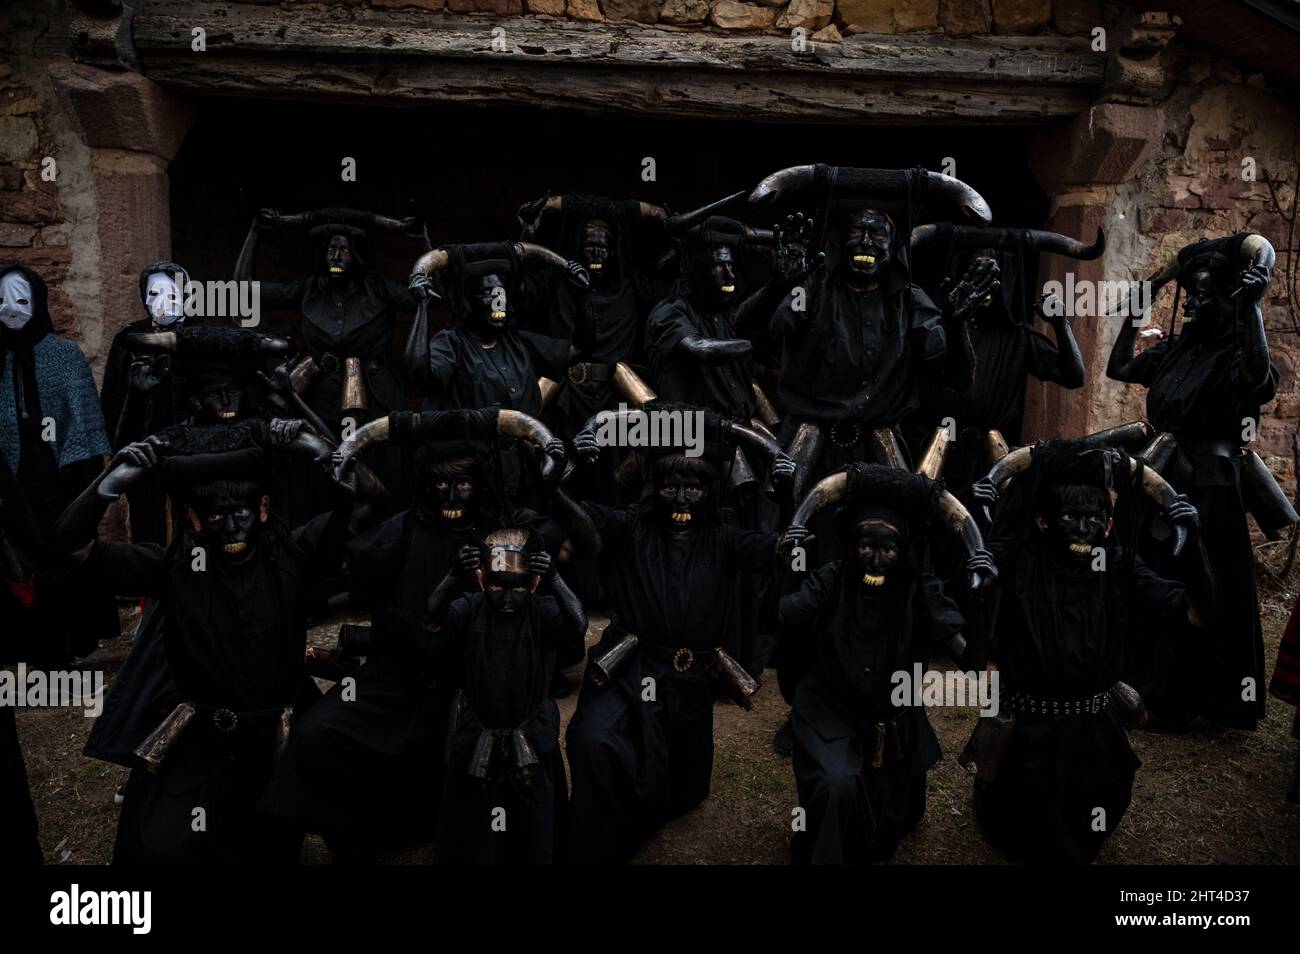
{"x":234,"y":638}
{"x":1195,"y":392}
{"x":857,"y":813}
{"x":1064,"y":636}
{"x":366,"y":772}
{"x":634,"y":762}
{"x":507,"y":670}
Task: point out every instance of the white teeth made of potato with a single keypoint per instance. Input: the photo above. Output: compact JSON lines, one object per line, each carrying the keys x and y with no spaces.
{"x":728,"y":288}
{"x":1080,"y":548}
{"x":335,"y":270}
{"x":865,"y":259}
{"x":681,"y":518}
{"x":227,"y":415}
{"x":233,"y":548}
{"x":498,"y":314}
{"x":452,"y":514}
{"x":595,"y":266}
{"x":873,"y":579}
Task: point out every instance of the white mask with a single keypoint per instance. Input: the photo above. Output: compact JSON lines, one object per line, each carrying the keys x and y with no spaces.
{"x":15,"y":300}
{"x":163,"y":299}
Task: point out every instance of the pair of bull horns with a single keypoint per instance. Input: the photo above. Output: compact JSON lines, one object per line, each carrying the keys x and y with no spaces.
{"x":437,"y":259}
{"x":963,"y":236}
{"x":955,"y":517}
{"x":1255,"y":250}
{"x":648,"y":210}
{"x":1155,"y":487}
{"x":870,"y":183}
{"x":750,"y":437}
{"x":509,"y":424}
{"x":307,"y":443}
{"x":171,"y":341}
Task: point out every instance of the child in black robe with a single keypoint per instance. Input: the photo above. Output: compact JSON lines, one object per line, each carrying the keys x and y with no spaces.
{"x":1072,"y":602}
{"x":504,"y":798}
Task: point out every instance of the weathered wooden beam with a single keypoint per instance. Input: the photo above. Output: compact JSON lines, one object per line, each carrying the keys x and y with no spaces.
{"x":390,"y":56}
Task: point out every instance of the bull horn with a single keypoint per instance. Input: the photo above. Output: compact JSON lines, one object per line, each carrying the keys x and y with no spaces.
{"x":155,"y":340}
{"x":1126,"y":435}
{"x":784,"y":182}
{"x":763,"y":406}
{"x":1159,"y":450}
{"x":1012,"y":465}
{"x":756,"y":441}
{"x":932,"y":457}
{"x":688,"y":220}
{"x":1157,"y":489}
{"x":805,"y":450}
{"x":526,"y":427}
{"x":431,"y":261}
{"x":372,"y":432}
{"x":1258,"y":250}
{"x":1037,"y":239}
{"x":959,"y":521}
{"x":529,"y":252}
{"x":827,"y":491}
{"x":995,"y":447}
{"x":755,"y":236}
{"x":649,"y":210}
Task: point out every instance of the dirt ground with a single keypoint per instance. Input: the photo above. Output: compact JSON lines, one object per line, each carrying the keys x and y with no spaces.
{"x":1209,"y":796}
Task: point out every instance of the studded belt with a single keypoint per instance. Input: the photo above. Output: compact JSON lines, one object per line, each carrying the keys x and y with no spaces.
{"x":847,"y":433}
{"x":1021,"y":702}
{"x":589,"y":371}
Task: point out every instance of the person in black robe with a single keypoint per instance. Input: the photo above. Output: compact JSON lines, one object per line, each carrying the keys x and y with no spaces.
{"x":214,"y":371}
{"x":483,"y":359}
{"x":859,"y":341}
{"x":24,"y":616}
{"x":1205,"y":386}
{"x":138,"y":393}
{"x":1007,"y":349}
{"x":52,"y":438}
{"x":234,"y":637}
{"x":504,"y":801}
{"x":861,"y":758}
{"x":364,"y":766}
{"x":640,"y":744}
{"x":348,"y":310}
{"x":1055,"y":768}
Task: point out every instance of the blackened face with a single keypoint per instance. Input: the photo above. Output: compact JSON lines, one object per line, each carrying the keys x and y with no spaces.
{"x":508,"y":593}
{"x":722,"y":274}
{"x":1078,"y":524}
{"x":339,"y":262}
{"x":219,"y":401}
{"x":230,"y":528}
{"x":455,"y":498}
{"x":878,"y":550}
{"x":1198,"y":303}
{"x":597,"y":248}
{"x":490,"y":302}
{"x":868,"y":239}
{"x":678,"y":500}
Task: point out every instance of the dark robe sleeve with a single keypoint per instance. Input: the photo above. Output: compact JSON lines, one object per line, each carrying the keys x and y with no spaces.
{"x":926,"y":328}
{"x":400,"y":295}
{"x":443,"y":358}
{"x":1142,"y":369}
{"x":323,"y":539}
{"x":127,"y":569}
{"x":800,"y":609}
{"x":667,"y":325}
{"x":938,"y":617}
{"x":1041,"y":356}
{"x":754,"y":549}
{"x":281,"y":294}
{"x":613,"y":523}
{"x":1155,"y":597}
{"x":550,"y":355}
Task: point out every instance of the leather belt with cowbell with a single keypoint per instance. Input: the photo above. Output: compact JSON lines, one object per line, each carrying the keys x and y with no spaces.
{"x":585,"y":372}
